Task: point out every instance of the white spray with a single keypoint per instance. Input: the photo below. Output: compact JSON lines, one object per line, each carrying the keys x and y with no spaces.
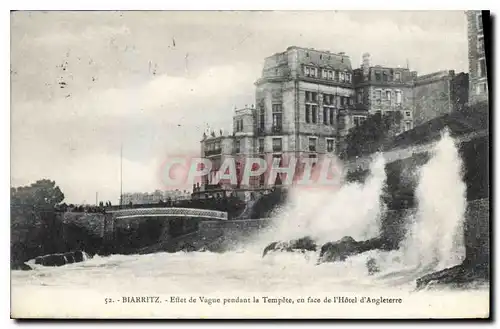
{"x":328,"y":214}
{"x":436,"y":238}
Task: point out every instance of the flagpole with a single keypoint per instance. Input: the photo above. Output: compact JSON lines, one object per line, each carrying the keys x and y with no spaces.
{"x":121,"y":174}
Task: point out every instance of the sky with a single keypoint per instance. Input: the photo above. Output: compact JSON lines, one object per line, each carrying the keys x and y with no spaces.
{"x":85,"y":83}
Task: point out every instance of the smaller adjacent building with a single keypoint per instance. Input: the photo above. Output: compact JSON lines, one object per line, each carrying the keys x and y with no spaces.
{"x":381,"y":89}
{"x":478,"y":83}
{"x":155,"y":197}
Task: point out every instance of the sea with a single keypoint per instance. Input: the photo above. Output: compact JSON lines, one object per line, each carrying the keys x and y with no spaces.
{"x":243,"y":284}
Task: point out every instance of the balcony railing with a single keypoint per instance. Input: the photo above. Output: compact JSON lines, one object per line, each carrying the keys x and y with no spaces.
{"x":277,"y":148}
{"x":277,"y":129}
{"x":213,"y":152}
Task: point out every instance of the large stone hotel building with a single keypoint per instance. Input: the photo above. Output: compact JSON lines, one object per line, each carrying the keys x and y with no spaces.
{"x":306,"y":101}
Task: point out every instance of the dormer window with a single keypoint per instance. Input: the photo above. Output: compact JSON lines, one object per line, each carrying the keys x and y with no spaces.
{"x":310,"y":71}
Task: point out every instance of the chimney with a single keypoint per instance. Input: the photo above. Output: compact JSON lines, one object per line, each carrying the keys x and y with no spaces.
{"x":366,"y":65}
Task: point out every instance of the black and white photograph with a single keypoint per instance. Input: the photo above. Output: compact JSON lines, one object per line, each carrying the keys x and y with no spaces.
{"x":250,"y":164}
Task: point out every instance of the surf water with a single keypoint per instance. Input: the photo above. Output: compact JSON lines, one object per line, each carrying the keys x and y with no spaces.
{"x":325,"y":214}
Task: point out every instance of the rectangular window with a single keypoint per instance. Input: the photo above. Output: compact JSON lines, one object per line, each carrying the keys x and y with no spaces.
{"x":312,"y":144}
{"x":330,"y":145}
{"x":398,"y":97}
{"x":261,"y":145}
{"x":386,"y":77}
{"x":277,"y":108}
{"x":308,"y":96}
{"x":481,"y":88}
{"x":261,"y":119}
{"x":277,"y":122}
{"x":237,"y":146}
{"x":277,"y":118}
{"x":326,"y":99}
{"x":378,"y":76}
{"x":407,"y":125}
{"x":348,"y":77}
{"x":331,"y":117}
{"x":314,"y":109}
{"x":360,"y":96}
{"x":308,"y":113}
{"x":480,"y":44}
{"x":342,"y":77}
{"x":481,"y":68}
{"x":307,"y":71}
{"x":388,"y":95}
{"x":277,"y":144}
{"x":397,"y":76}
{"x":479,"y":21}
{"x":359,"y":120}
{"x":330,"y":75}
{"x":325,"y":115}
{"x":408,"y":113}
{"x":314,"y":97}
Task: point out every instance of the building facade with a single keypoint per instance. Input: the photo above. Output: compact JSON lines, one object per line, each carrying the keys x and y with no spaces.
{"x":478,"y":84}
{"x":307,"y":100}
{"x":439,"y":93}
{"x":155,"y":197}
{"x":385,"y":89}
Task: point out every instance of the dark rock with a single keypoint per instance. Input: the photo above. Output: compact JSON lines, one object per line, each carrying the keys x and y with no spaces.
{"x":456,"y":275}
{"x":70,"y":257}
{"x":302,"y":244}
{"x":20,"y":267}
{"x":340,"y":250}
{"x":60,"y":259}
{"x":187,"y":247}
{"x":372,"y":266}
{"x":78,"y":256}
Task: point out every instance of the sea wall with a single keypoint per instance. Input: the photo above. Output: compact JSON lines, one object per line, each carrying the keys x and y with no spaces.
{"x":395,"y":225}
{"x":232,"y":231}
{"x":477,"y":231}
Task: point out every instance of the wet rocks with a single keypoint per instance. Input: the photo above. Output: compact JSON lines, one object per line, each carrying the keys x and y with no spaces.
{"x":60,"y":259}
{"x":21,"y":266}
{"x":456,"y":275}
{"x":302,"y":244}
{"x":340,"y":250}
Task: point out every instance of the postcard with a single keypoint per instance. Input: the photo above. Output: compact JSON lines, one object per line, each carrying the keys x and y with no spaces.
{"x":250,"y":164}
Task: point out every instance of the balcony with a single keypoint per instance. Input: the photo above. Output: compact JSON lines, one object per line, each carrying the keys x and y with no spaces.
{"x":213,"y":152}
{"x":277,"y":148}
{"x":312,"y":148}
{"x":277,"y":129}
